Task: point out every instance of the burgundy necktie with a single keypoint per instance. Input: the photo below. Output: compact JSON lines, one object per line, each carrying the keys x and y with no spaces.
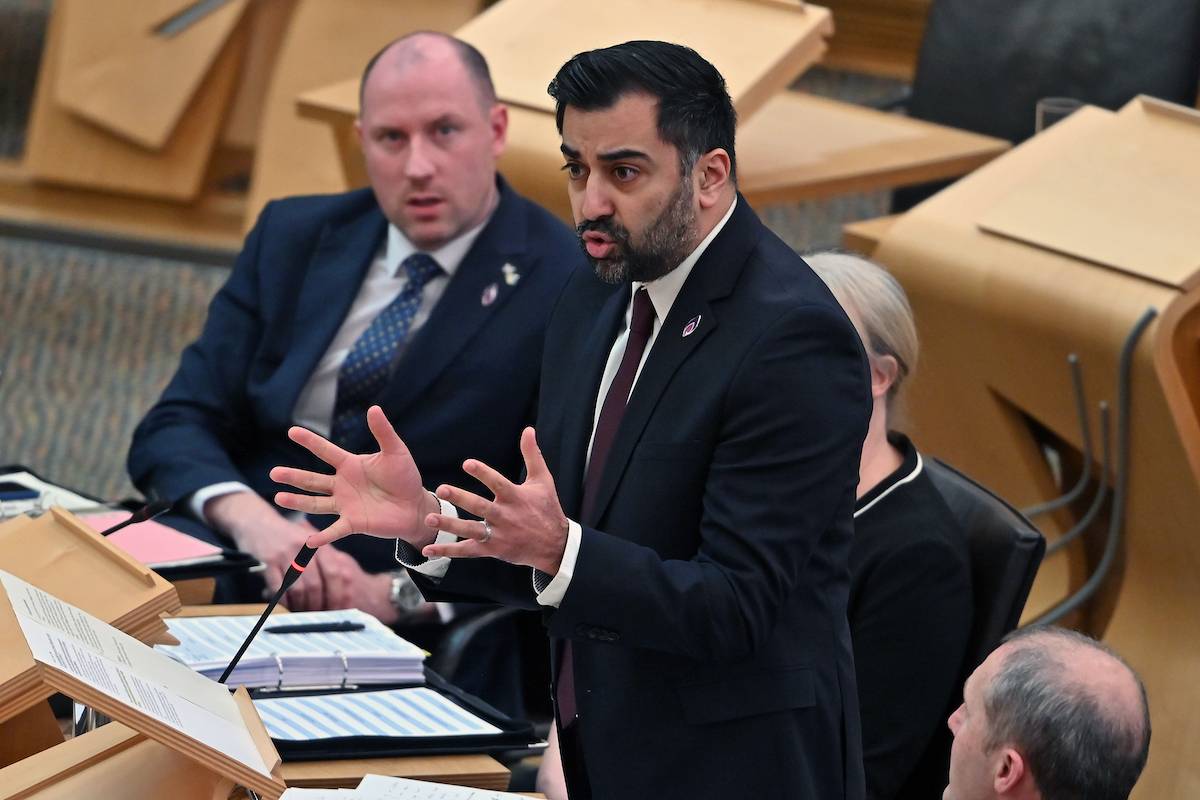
{"x":641,"y":325}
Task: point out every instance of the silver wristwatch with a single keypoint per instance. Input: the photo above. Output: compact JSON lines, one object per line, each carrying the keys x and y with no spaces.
{"x":404,"y":596}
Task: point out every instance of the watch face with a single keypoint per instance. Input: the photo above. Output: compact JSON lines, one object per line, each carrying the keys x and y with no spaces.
{"x":405,"y":594}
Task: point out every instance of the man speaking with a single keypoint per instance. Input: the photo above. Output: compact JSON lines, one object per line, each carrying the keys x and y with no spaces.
{"x":686,"y":513}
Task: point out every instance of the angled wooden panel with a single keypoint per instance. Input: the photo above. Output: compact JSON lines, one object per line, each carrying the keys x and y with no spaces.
{"x":62,"y":148}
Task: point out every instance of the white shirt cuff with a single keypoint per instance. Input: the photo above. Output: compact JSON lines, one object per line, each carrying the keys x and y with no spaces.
{"x":202,"y":496}
{"x":554,"y":592}
{"x":431,"y":567}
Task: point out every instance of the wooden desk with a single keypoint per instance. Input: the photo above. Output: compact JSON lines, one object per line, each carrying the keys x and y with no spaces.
{"x":997,"y":318}
{"x":803,"y":147}
{"x":799,"y":147}
{"x":865,"y":235}
{"x":480,"y":771}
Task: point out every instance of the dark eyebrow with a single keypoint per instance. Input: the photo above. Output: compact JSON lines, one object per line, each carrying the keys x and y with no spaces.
{"x":623,"y":154}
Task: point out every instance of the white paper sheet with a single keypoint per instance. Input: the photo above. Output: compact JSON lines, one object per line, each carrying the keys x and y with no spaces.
{"x":125,"y":669}
{"x":378,"y":787}
{"x":416,"y":712}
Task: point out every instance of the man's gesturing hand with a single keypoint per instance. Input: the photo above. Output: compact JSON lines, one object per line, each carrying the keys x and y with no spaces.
{"x":379,"y":494}
{"x":524,"y":523}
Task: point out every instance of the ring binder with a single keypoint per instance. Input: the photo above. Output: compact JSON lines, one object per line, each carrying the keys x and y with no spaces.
{"x":345,"y":668}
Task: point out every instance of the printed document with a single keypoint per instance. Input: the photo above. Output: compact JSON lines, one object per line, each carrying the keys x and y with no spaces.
{"x":131,"y":673}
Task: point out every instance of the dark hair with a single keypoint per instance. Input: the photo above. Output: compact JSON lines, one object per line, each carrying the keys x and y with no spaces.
{"x":1075,"y":746}
{"x":471,"y":58}
{"x":695,"y":113}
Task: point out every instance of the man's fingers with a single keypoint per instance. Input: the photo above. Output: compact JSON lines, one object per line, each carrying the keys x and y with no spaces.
{"x":535,"y":463}
{"x":467,"y":548}
{"x":489,"y":477}
{"x":334,"y":532}
{"x":303,"y":479}
{"x":467,"y":501}
{"x":389,"y":441}
{"x":309,"y":504}
{"x":319,"y":446}
{"x":466,"y":528}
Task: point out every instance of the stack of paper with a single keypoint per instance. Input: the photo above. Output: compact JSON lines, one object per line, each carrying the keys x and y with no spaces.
{"x":374,"y":654}
{"x":378,"y":787}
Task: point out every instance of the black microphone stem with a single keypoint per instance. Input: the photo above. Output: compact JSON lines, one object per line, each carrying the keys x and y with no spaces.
{"x":294,"y":571}
{"x":148,"y":511}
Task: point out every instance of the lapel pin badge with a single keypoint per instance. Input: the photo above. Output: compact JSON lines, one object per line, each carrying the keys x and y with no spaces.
{"x":511,"y":276}
{"x":693,"y":323}
{"x":489,"y":295}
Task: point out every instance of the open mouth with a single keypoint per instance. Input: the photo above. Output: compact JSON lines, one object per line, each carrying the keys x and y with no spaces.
{"x":424,"y":203}
{"x":598,"y":245}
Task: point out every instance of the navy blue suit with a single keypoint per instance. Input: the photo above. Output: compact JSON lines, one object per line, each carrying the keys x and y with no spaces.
{"x":707,"y":610}
{"x":464,"y":387}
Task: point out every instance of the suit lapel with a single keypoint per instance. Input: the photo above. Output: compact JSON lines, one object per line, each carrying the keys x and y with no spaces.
{"x":713,"y":277}
{"x":334,"y":276}
{"x":476,"y":292}
{"x":584,"y":380}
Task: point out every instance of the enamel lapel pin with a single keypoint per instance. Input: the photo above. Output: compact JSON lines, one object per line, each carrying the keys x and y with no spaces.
{"x":690,"y":328}
{"x":489,"y":294}
{"x":511,"y":276}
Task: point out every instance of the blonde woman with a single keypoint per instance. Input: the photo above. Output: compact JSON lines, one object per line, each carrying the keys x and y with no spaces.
{"x":910,"y":592}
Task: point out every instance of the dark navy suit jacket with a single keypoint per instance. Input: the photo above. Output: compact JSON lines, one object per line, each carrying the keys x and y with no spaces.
{"x":464,"y":387}
{"x":708,"y":605}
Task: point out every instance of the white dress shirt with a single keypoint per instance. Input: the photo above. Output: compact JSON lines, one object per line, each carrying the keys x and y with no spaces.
{"x":383,"y":282}
{"x":663,"y":292}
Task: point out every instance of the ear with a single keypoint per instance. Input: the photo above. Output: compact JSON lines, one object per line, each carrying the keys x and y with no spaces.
{"x":1010,"y":773}
{"x":884,"y":371}
{"x":498,"y":122}
{"x":360,"y":133}
{"x":712,"y":177}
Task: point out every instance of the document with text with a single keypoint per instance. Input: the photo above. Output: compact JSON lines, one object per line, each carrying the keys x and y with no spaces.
{"x":131,"y":673}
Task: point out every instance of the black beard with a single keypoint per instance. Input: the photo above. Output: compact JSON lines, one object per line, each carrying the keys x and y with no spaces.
{"x":664,"y":247}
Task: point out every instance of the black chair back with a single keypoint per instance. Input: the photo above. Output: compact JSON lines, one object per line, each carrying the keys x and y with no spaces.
{"x":1006,"y":550}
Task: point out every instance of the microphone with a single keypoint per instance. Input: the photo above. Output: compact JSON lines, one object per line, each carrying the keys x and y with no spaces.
{"x":148,"y":511}
{"x":299,"y":563}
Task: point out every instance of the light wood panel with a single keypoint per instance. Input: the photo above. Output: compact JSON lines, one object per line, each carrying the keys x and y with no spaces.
{"x":801,"y":147}
{"x":881,"y":37}
{"x":760,"y":46}
{"x":479,"y":771}
{"x":997,"y":318}
{"x":64,"y":148}
{"x":211,"y":223}
{"x":117,"y":72}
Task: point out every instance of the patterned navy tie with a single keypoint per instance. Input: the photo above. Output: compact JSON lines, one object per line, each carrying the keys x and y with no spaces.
{"x":368,"y":365}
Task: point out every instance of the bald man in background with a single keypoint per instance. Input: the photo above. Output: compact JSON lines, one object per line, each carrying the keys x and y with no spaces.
{"x":427,"y":293}
{"x":1050,"y":715}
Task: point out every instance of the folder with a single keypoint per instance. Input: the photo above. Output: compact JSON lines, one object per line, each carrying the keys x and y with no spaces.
{"x":477,"y":727}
